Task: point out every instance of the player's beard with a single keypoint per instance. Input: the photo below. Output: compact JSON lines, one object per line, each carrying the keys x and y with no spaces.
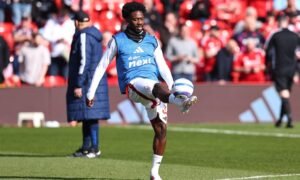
{"x":134,"y":35}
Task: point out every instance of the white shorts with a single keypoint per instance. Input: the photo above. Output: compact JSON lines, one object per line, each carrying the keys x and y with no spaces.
{"x":140,"y":90}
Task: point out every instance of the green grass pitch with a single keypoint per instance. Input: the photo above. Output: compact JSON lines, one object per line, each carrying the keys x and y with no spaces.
{"x":202,"y":151}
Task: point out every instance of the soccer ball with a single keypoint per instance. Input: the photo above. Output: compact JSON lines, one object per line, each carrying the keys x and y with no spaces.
{"x":182,"y":88}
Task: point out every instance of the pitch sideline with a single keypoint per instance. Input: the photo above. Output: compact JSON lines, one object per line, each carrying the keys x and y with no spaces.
{"x":221,"y":131}
{"x":262,"y":176}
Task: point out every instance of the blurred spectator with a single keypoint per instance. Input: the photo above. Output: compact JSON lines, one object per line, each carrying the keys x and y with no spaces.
{"x":34,"y":61}
{"x":171,"y":5}
{"x":294,"y":23}
{"x":3,"y":6}
{"x":279,"y":5}
{"x":168,"y":29}
{"x":59,"y":31}
{"x":20,"y":8}
{"x":152,"y":15}
{"x":76,"y":5}
{"x":42,"y":11}
{"x":229,"y":11}
{"x":22,"y":37}
{"x":23,"y":32}
{"x":224,"y":62}
{"x":250,"y":31}
{"x":200,"y":10}
{"x":251,"y":64}
{"x":291,"y":9}
{"x":270,"y":25}
{"x":262,"y":7}
{"x":250,"y":16}
{"x":182,"y":51}
{"x":211,"y":44}
{"x":67,"y":4}
{"x":4,"y":57}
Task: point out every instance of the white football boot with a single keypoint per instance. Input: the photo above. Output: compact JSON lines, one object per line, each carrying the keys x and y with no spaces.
{"x":188,"y":103}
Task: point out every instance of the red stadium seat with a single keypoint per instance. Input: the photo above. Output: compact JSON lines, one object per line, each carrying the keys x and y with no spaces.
{"x":13,"y":81}
{"x":195,"y":29}
{"x":185,"y":9}
{"x":6,"y":27}
{"x":54,"y":81}
{"x":99,"y":5}
{"x":159,"y":6}
{"x":235,"y":77}
{"x":6,"y":31}
{"x":107,"y":21}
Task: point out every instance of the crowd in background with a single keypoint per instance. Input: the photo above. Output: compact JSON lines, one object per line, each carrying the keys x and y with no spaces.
{"x":202,"y":40}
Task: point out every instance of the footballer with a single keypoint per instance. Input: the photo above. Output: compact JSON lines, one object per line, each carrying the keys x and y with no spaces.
{"x":140,"y":63}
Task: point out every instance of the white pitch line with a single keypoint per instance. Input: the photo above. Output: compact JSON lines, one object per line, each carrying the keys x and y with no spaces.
{"x":260,"y":177}
{"x":234,"y":132}
{"x":223,"y":131}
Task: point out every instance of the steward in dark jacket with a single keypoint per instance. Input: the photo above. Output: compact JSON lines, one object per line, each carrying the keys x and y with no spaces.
{"x":86,"y":51}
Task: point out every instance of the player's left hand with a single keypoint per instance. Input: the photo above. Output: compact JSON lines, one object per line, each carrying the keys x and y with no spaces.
{"x":78,"y":92}
{"x":90,"y":103}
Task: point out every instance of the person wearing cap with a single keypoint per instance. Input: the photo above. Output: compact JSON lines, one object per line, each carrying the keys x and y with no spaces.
{"x":281,"y":48}
{"x":86,"y":51}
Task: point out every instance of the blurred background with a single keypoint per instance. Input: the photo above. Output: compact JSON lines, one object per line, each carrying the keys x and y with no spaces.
{"x":221,"y":34}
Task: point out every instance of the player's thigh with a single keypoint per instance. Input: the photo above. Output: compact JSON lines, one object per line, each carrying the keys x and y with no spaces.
{"x":140,"y":90}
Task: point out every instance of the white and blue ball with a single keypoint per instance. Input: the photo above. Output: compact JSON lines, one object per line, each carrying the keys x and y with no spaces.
{"x":182,"y":87}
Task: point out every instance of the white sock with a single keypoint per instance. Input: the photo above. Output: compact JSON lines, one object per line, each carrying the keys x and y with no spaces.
{"x":174,"y":100}
{"x":156,"y":161}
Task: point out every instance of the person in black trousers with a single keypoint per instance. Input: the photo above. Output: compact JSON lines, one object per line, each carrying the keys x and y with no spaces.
{"x":282,"y":45}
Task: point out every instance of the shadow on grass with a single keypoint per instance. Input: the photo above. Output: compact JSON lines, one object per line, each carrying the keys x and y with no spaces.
{"x":71,"y":178}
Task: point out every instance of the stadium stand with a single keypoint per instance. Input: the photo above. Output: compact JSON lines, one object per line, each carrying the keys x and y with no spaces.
{"x":227,"y":15}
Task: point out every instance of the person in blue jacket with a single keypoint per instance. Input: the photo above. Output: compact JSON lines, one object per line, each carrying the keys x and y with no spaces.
{"x":86,"y":51}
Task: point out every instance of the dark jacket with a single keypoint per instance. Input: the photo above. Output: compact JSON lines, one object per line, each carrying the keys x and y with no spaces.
{"x":4,"y":57}
{"x":223,"y":66}
{"x":281,"y":52}
{"x":88,"y":41}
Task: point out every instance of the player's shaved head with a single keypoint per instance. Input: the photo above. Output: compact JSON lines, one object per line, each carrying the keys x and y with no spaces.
{"x":130,"y":7}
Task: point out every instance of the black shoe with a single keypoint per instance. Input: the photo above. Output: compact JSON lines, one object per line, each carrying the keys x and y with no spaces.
{"x":278,"y":123}
{"x":80,"y":152}
{"x":289,"y":125}
{"x":93,"y":153}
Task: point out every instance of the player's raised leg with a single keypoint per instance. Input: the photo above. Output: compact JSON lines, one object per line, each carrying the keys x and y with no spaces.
{"x":162,"y":93}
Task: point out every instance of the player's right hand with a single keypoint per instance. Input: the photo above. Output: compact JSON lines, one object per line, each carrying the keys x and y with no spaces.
{"x":90,"y":103}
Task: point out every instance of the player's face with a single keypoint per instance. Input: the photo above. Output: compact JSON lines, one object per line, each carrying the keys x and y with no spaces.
{"x":136,"y":21}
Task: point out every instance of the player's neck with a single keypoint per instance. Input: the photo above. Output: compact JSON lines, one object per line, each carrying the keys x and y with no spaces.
{"x":135,"y":36}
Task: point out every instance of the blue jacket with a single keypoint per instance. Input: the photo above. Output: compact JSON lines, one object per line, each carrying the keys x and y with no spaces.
{"x":86,"y":51}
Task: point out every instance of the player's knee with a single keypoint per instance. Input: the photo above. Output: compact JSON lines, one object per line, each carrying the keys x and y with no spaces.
{"x":161,"y":92}
{"x":163,"y":131}
{"x":160,"y":129}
